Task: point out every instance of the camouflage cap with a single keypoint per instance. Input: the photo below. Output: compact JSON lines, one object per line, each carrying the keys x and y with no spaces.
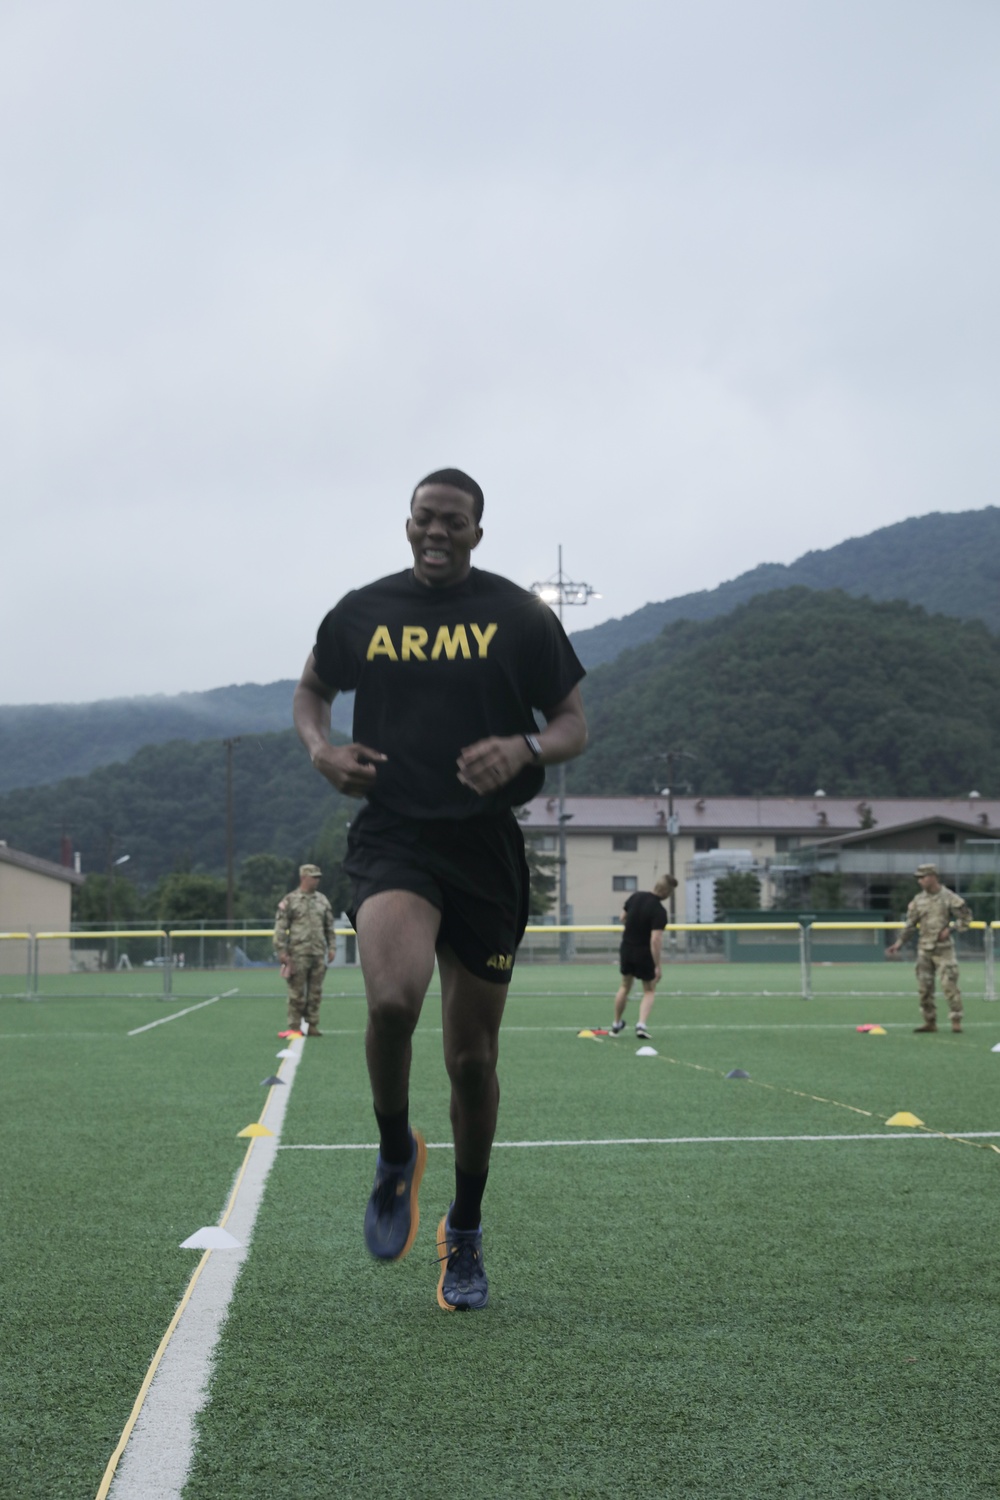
{"x":926,"y":870}
{"x":309,"y":870}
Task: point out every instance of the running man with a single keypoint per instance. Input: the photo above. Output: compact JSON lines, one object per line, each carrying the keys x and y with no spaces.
{"x":448,"y":663}
{"x":645,"y":918}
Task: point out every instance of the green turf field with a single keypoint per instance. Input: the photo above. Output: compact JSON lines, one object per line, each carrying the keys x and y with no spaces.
{"x":697,"y":1289}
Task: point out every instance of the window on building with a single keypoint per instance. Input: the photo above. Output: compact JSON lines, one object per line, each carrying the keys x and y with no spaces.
{"x":704,"y":843}
{"x":946,"y":838}
{"x":628,"y":843}
{"x":624,"y":883}
{"x":546,"y":843}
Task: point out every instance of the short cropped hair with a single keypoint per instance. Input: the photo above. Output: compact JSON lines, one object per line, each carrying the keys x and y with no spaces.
{"x":665,"y":886}
{"x":458,"y":480}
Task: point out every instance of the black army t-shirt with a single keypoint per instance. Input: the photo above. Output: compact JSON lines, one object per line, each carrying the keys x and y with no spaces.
{"x":435,"y":670}
{"x":644,"y":915}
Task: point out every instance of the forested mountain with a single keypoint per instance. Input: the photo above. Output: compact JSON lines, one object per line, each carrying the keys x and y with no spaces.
{"x":166,"y":808}
{"x":793,"y":691}
{"x":948,"y":564}
{"x":46,"y":742}
{"x":798,"y":690}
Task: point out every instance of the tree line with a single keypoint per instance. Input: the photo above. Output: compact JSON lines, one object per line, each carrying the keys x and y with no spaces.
{"x":796,"y":690}
{"x":792,"y":691}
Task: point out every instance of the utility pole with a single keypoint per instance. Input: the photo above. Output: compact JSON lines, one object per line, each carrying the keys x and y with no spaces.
{"x":673,"y":821}
{"x":113,"y":864}
{"x":561,"y":591}
{"x":673,"y":828}
{"x":229,"y":827}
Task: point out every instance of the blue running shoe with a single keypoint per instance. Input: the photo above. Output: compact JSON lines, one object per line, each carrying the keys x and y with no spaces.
{"x":392,"y":1216}
{"x":463,"y":1285}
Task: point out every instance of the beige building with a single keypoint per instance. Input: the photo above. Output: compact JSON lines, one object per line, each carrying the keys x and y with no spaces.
{"x":615,"y":845}
{"x":35,"y":896}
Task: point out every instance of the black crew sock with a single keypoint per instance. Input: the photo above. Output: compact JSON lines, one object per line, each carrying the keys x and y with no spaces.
{"x":467,"y":1207}
{"x":395,"y":1144}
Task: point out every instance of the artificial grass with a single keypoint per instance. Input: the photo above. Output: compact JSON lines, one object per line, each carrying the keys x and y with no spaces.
{"x":118,"y":1148}
{"x":776,"y":1327}
{"x":714,"y":1319}
{"x":704,"y":1320}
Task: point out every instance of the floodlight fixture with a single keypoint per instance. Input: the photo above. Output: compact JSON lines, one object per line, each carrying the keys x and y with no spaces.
{"x":560,"y":590}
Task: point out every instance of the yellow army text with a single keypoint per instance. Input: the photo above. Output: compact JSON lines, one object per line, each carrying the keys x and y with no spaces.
{"x":450,"y":642}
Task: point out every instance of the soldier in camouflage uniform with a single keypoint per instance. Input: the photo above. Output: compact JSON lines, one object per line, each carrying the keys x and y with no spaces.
{"x":934,"y":914}
{"x":304,"y":940}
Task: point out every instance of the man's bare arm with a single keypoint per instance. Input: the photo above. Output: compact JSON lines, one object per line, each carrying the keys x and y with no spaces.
{"x":656,"y":949}
{"x":492,"y":763}
{"x":350,"y":768}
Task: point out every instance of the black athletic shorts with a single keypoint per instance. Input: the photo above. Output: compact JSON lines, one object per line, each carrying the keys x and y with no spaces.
{"x":472,"y":869}
{"x":637,"y":960}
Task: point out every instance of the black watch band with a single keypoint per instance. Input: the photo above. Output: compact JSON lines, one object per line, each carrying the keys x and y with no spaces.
{"x":534,"y":745}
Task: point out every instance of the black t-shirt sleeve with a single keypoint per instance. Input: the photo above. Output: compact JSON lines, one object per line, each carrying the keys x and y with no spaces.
{"x":555,"y":667}
{"x":658,"y":916}
{"x":336,"y":664}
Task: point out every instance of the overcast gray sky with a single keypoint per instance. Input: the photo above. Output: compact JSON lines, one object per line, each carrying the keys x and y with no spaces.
{"x":686,"y":287}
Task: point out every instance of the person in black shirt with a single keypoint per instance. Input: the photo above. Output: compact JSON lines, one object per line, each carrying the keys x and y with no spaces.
{"x":447,"y":663}
{"x":645,"y":918}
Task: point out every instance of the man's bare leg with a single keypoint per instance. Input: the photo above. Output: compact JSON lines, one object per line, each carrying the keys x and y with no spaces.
{"x":646,"y":1003}
{"x":397,"y":931}
{"x":471,"y":1009}
{"x":621,"y":998}
{"x":471,"y":1012}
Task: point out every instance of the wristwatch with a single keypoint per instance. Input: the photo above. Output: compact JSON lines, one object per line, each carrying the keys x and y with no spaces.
{"x":534,"y":745}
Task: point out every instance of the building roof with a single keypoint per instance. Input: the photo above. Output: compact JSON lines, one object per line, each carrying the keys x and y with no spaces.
{"x":876,"y":833}
{"x":807,"y":817}
{"x":38,"y":866}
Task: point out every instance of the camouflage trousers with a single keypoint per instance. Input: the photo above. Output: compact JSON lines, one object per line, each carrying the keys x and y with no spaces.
{"x":940,"y":964}
{"x":305,"y":988}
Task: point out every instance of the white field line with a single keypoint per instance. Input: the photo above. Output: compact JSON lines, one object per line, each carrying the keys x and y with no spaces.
{"x":160,"y":1448}
{"x":662,"y":1034}
{"x":178,"y":1013}
{"x":665,"y":1033}
{"x":55,"y":1036}
{"x":684,"y":1140}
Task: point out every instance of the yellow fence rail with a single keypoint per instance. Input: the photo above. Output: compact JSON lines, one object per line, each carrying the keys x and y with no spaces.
{"x":170,"y":958}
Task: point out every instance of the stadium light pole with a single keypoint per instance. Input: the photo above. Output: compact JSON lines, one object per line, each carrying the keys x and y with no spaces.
{"x":560,"y":590}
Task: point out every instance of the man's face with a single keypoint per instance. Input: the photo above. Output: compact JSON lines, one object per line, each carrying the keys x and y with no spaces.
{"x":929,"y":883}
{"x":309,"y":882}
{"x":442,"y":532}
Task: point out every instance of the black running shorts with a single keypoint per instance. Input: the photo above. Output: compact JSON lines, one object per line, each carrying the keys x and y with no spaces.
{"x":637,"y":961}
{"x":472,"y":869}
